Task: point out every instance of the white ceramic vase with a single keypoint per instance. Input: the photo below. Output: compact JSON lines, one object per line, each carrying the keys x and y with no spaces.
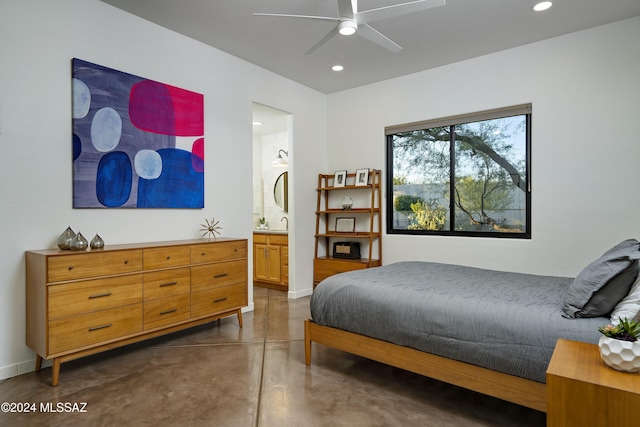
{"x":620,"y":355}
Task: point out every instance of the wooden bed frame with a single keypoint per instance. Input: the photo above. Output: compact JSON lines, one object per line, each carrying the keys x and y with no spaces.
{"x":513,"y":389}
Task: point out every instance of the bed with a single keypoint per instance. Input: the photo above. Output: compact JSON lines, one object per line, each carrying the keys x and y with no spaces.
{"x":489,"y":331}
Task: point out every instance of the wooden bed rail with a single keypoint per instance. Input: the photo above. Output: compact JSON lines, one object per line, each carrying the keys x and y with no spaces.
{"x":531,"y":394}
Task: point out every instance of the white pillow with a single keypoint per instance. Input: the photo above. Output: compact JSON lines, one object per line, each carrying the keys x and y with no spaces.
{"x":629,"y":307}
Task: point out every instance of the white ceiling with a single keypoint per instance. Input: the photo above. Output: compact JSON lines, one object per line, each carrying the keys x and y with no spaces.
{"x":460,"y":30}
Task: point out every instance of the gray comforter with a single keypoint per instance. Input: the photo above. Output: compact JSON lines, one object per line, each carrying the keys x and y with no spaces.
{"x":507,"y":322}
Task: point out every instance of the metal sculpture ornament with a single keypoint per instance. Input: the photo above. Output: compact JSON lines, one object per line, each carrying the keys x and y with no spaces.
{"x":210,"y":228}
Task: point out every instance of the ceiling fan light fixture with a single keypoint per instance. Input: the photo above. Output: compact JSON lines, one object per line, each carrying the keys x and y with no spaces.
{"x":347,"y":27}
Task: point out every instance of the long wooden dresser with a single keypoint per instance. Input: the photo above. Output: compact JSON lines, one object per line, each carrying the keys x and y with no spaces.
{"x":82,"y":303}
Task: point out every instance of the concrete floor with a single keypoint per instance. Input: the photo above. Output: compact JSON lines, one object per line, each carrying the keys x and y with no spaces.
{"x":221,"y":375}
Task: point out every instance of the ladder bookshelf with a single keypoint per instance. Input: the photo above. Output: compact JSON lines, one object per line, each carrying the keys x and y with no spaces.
{"x":361,"y":224}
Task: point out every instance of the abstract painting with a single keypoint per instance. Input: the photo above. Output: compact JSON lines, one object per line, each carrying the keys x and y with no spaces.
{"x":137,"y":143}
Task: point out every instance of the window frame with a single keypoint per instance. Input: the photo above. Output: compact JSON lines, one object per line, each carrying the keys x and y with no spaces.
{"x":500,"y":113}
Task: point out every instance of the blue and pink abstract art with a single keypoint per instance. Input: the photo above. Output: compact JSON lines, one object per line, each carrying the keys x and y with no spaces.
{"x":137,"y":143}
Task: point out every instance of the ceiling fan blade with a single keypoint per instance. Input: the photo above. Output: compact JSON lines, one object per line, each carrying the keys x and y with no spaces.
{"x":322,"y":41}
{"x":347,"y":8}
{"x":370,"y":34}
{"x":396,"y":10}
{"x":283,"y":15}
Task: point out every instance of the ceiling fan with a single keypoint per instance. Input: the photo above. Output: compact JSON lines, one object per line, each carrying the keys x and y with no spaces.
{"x":350,"y":21}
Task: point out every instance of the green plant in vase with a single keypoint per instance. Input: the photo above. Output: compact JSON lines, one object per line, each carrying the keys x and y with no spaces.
{"x":619,"y":345}
{"x":625,"y":330}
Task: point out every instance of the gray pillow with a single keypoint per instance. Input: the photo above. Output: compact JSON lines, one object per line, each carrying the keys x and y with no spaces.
{"x":603,"y":283}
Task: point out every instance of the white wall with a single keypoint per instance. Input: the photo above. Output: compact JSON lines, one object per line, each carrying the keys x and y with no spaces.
{"x":38,"y":40}
{"x":585,"y":90}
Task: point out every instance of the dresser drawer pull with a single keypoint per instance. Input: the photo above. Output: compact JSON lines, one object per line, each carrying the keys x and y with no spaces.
{"x":168,"y":257}
{"x":168,"y":311}
{"x":221,"y":299}
{"x":97,"y":328}
{"x":106,"y":294}
{"x":70,"y":267}
{"x":217,"y":276}
{"x":168,"y":284}
{"x":126,"y":261}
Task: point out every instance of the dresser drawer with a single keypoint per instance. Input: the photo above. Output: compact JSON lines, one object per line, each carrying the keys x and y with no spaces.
{"x":218,"y":299}
{"x":164,"y":311}
{"x":166,"y":283}
{"x":70,"y":333}
{"x":70,"y":299}
{"x":215,"y":275}
{"x":165,"y":257}
{"x":87,"y":264}
{"x":328,"y":267}
{"x":218,"y":251}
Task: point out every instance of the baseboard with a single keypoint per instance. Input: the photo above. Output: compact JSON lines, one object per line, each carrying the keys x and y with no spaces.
{"x":300,"y":294}
{"x":20,"y":368}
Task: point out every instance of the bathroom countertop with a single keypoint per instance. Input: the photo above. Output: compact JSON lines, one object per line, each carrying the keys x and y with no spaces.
{"x":269,"y":231}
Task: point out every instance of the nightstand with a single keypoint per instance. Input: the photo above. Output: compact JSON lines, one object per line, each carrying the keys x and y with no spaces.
{"x":583,"y":391}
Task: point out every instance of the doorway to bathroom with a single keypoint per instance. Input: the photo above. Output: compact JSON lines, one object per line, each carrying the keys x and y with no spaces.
{"x":271,"y":197}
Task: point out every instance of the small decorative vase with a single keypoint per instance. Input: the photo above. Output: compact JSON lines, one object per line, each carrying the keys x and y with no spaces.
{"x":97,"y":243}
{"x":620,"y":355}
{"x":346,"y":203}
{"x":64,"y":241}
{"x":79,"y":243}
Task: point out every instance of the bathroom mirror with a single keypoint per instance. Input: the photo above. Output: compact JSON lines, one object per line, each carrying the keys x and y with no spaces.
{"x":281,"y":191}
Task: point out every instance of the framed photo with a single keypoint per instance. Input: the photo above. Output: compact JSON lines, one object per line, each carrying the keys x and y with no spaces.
{"x":345,"y":225}
{"x":340,"y":179}
{"x":362,"y":177}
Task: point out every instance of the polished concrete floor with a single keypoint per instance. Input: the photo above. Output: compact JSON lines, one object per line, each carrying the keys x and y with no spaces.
{"x":221,"y":375}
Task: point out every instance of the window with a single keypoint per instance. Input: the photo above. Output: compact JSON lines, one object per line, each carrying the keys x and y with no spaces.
{"x":466,"y":175}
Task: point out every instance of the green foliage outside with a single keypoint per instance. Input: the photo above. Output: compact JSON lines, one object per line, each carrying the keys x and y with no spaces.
{"x":427,"y":216}
{"x":403,"y":203}
{"x":400,"y":180}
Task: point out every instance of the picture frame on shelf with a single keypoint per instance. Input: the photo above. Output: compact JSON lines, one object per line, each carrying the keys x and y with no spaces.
{"x":362,"y":177}
{"x":345,"y":225}
{"x":340,"y":179}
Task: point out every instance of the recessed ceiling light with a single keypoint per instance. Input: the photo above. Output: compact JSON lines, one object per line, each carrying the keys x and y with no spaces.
{"x":257,"y":123}
{"x":337,"y":68}
{"x":543,"y":5}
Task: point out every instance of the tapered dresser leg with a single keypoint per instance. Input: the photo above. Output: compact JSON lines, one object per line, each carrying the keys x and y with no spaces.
{"x":55,"y":372}
{"x":239,"y":317}
{"x":38,"y":362}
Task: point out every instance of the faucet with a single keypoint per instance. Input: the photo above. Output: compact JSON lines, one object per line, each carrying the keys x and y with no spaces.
{"x":284,"y":218}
